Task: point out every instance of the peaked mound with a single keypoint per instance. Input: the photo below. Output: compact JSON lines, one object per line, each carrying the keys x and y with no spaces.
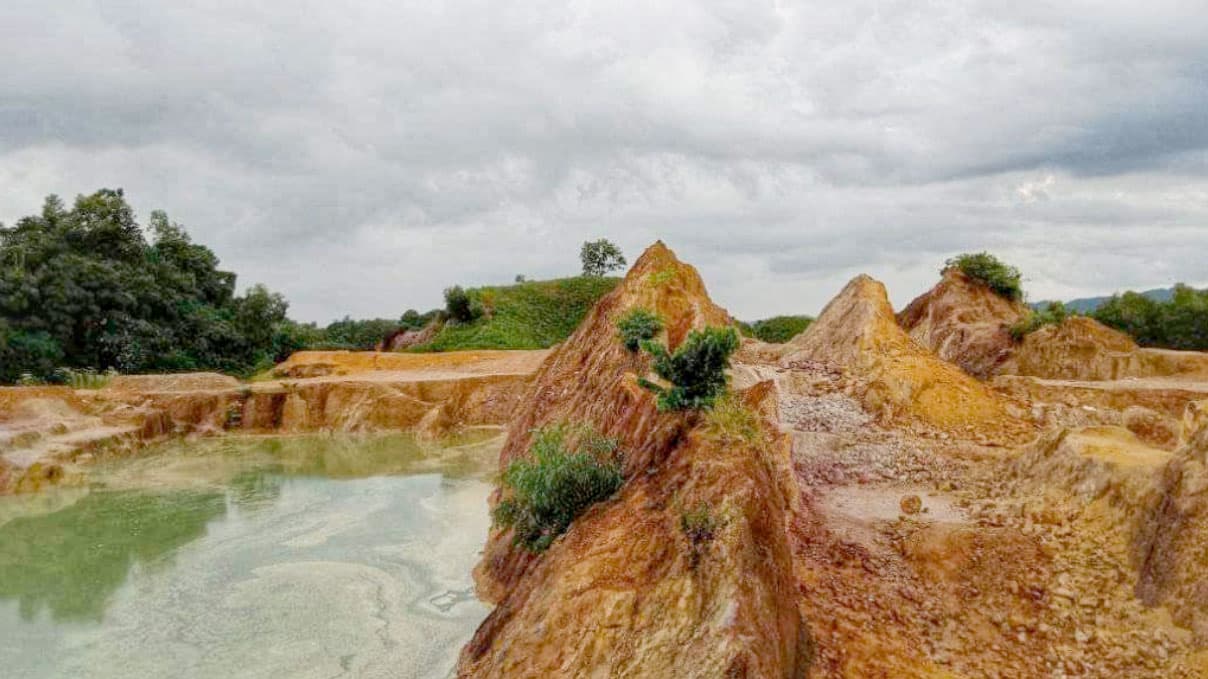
{"x":857,"y":332}
{"x":1081,"y":348}
{"x":964,"y":323}
{"x":626,"y":591}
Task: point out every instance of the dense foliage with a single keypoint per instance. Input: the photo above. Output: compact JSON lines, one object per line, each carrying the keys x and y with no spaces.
{"x":546,"y":493}
{"x":600,"y":256}
{"x":637,"y":326}
{"x":85,"y":288}
{"x":696,"y":370}
{"x":1180,"y":323}
{"x":1052,"y":314}
{"x":988,"y":270}
{"x":778,"y":329}
{"x":461,"y":307}
{"x":530,"y":315}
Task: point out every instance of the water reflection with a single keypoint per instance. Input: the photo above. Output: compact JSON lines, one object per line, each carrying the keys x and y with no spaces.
{"x":69,"y":562}
{"x":68,"y":553}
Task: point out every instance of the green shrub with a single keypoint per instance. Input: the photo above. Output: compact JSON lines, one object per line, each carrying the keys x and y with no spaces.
{"x":1053,"y":314}
{"x":700,"y":526}
{"x":550,"y":490}
{"x":779,"y":329}
{"x":988,"y":270}
{"x":638,"y":326}
{"x":696,"y":371}
{"x":460,"y":306}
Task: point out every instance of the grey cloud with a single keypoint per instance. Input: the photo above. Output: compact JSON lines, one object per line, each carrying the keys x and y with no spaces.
{"x":360,"y":156}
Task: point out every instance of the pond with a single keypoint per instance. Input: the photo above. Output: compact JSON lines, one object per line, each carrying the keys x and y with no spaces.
{"x":250,"y":557}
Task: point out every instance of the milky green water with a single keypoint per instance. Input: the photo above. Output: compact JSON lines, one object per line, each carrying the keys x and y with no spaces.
{"x":302,"y":557}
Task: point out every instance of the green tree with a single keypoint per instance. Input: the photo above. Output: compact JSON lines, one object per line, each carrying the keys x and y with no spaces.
{"x":600,"y":257}
{"x":696,"y":370}
{"x":83,"y":288}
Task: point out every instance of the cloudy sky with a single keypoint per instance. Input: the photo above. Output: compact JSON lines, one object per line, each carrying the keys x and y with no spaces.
{"x":360,"y":156}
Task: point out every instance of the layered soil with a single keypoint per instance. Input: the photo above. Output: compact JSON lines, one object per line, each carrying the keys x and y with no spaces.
{"x":964,"y":323}
{"x":626,"y":592}
{"x":48,"y":435}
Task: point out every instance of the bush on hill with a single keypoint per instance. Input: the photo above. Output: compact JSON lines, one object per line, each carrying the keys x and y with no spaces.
{"x":546,"y":493}
{"x":696,"y":370}
{"x":1053,"y":314}
{"x":988,"y":270}
{"x":638,"y":326}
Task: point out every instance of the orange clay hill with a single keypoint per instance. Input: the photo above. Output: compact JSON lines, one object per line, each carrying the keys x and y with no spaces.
{"x":629,"y":590}
{"x":897,"y":379}
{"x":964,"y":323}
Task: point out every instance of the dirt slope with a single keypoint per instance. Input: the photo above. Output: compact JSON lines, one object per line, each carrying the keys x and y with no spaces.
{"x":1082,"y":348}
{"x":619,"y":595}
{"x":895,"y":377}
{"x":964,"y":323}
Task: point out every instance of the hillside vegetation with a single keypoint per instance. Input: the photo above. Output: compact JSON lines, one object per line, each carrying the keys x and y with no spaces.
{"x":777,"y":329}
{"x":529,"y":315}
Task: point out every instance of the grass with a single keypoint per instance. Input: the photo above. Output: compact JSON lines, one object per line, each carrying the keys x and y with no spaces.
{"x":570,"y":469}
{"x":529,"y":315}
{"x":1053,"y":314}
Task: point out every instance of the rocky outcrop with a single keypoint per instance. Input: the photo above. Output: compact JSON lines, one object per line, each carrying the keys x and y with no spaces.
{"x":964,"y":323}
{"x":1171,"y":542}
{"x":625,"y":592}
{"x":1082,"y":348}
{"x":897,"y":379}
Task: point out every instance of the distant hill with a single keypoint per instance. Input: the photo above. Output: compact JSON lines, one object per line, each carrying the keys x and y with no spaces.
{"x":1085,"y":305}
{"x":531,"y":315}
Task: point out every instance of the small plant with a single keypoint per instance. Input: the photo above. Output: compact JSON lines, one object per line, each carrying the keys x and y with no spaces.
{"x":731,"y":421}
{"x":460,"y":306}
{"x":696,"y":371}
{"x":550,"y":490}
{"x":699,"y":526}
{"x":86,"y":378}
{"x":30,"y":380}
{"x":1053,"y":314}
{"x":600,"y":256}
{"x":988,"y":270}
{"x":662,"y":276}
{"x":638,"y":326}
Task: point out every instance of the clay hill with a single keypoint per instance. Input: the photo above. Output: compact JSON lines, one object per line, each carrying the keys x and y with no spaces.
{"x":964,"y":323}
{"x":895,"y":377}
{"x":625,"y":592}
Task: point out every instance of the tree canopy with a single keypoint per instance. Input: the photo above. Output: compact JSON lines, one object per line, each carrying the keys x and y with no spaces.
{"x":84,"y":287}
{"x":600,"y":257}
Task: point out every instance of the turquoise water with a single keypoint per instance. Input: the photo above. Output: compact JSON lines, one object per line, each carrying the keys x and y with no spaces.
{"x":307,"y":557}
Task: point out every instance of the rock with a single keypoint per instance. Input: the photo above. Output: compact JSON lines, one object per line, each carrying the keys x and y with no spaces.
{"x":964,"y":323}
{"x":911,"y":504}
{"x":618,"y":594}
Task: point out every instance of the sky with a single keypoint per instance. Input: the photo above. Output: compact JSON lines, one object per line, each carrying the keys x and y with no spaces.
{"x":360,"y":156}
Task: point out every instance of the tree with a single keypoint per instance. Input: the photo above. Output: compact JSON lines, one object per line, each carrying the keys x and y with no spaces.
{"x":83,"y":288}
{"x":600,"y":256}
{"x":696,"y":370}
